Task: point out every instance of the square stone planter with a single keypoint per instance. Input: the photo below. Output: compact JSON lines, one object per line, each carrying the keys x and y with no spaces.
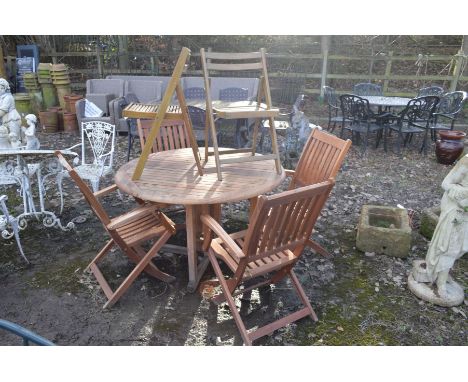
{"x":429,"y":220}
{"x":384,"y":230}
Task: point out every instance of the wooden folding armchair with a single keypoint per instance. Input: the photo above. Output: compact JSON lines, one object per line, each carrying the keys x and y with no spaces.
{"x":278,"y":232}
{"x":128,"y":231}
{"x":255,"y":61}
{"x":321,"y":159}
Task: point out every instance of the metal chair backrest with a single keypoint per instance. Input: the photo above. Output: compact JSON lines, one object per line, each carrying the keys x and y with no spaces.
{"x":419,"y":110}
{"x":367,"y":89}
{"x":452,"y":103}
{"x":284,"y":221}
{"x":355,"y":108}
{"x":430,"y":90}
{"x":172,"y":135}
{"x":330,"y":96}
{"x":101,"y":139}
{"x":320,"y":160}
{"x":234,"y":94}
{"x":85,"y":190}
{"x":197,"y":116}
{"x":194,"y":93}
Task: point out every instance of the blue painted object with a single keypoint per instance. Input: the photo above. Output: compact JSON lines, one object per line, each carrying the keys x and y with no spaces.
{"x":27,"y":335}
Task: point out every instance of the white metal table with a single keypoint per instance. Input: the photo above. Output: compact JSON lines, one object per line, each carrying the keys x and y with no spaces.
{"x":19,"y":172}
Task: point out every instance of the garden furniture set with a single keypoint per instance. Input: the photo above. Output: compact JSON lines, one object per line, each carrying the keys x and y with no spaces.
{"x":171,"y":171}
{"x":427,"y":113}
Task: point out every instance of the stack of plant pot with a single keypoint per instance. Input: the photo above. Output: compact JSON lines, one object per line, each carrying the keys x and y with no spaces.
{"x":33,"y":87}
{"x":49,"y":95}
{"x":23,"y":105}
{"x":61,"y":81}
{"x":49,"y":120}
{"x":70,"y":122}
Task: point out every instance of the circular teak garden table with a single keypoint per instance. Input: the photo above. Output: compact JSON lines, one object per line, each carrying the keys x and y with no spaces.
{"x":171,"y":177}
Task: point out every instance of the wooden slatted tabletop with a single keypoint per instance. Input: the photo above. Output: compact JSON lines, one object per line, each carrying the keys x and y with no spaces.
{"x":149,"y":111}
{"x":171,"y":177}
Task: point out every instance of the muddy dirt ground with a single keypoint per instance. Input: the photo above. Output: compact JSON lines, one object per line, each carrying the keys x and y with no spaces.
{"x":360,"y":299}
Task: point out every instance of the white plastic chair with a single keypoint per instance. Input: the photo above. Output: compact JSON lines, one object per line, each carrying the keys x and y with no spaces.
{"x":7,"y":220}
{"x":99,"y":137}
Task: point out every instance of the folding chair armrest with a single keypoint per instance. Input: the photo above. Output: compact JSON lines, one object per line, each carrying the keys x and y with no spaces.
{"x":290,"y":173}
{"x":106,"y":191}
{"x":212,"y":224}
{"x":130,"y":216}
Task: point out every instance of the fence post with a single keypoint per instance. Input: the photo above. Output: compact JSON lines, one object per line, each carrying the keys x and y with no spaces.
{"x":99,"y":59}
{"x":388,"y":70}
{"x":123,"y":53}
{"x":459,"y":57}
{"x":325,"y":43}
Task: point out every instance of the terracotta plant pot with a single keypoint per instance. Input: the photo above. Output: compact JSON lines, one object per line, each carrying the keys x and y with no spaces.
{"x":49,"y":95}
{"x":70,"y":123}
{"x":49,"y":121}
{"x":70,"y":101}
{"x":59,"y":111}
{"x":450,"y":146}
{"x":62,"y":90}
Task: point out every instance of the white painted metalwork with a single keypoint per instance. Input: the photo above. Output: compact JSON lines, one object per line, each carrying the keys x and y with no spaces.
{"x":9,"y":225}
{"x":98,"y":139}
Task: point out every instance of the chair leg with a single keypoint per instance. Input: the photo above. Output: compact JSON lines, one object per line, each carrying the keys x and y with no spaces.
{"x":101,"y":253}
{"x":302,"y":295}
{"x":230,"y":300}
{"x":137,"y":270}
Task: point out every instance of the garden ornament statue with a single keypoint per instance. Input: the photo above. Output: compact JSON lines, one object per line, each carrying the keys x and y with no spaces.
{"x":32,"y":143}
{"x":14,"y":141}
{"x":9,"y":117}
{"x":449,"y":243}
{"x":4,"y":138}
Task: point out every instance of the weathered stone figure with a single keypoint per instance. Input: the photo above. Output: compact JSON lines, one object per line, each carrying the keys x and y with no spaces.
{"x":9,"y":117}
{"x":32,"y":143}
{"x":449,"y":243}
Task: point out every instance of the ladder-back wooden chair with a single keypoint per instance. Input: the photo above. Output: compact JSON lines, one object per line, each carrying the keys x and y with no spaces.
{"x":255,"y":61}
{"x":278,"y":232}
{"x":128,"y":231}
{"x":172,"y":135}
{"x":321,"y":159}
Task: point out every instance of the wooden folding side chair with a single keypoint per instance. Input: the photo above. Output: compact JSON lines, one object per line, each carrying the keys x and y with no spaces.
{"x":278,"y":232}
{"x":128,"y":231}
{"x":171,"y":136}
{"x":321,"y":159}
{"x":253,"y":61}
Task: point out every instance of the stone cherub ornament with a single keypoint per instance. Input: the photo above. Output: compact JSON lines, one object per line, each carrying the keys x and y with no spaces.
{"x":449,"y":243}
{"x":9,"y":116}
{"x":32,"y":143}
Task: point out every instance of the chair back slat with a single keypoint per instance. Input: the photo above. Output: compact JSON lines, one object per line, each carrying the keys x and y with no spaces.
{"x":85,"y":190}
{"x":172,"y":135}
{"x":234,"y":67}
{"x":285,"y":220}
{"x":233,"y":56}
{"x":320,"y":160}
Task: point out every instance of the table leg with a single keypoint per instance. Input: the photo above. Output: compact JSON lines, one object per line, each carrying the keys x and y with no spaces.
{"x":194,"y":229}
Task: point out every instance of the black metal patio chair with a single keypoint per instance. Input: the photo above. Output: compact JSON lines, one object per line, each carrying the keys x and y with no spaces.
{"x":447,"y":112}
{"x":367,"y":89}
{"x":431,"y":90}
{"x":415,"y":119}
{"x":362,"y":120}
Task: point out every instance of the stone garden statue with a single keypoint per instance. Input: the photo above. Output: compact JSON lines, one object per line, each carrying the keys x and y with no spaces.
{"x":14,"y":141}
{"x":449,"y":243}
{"x":4,"y":138}
{"x":9,"y":117}
{"x":32,"y":143}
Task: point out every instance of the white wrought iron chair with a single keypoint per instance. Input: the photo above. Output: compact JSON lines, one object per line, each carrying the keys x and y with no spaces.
{"x":6,"y":221}
{"x":99,"y":138}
